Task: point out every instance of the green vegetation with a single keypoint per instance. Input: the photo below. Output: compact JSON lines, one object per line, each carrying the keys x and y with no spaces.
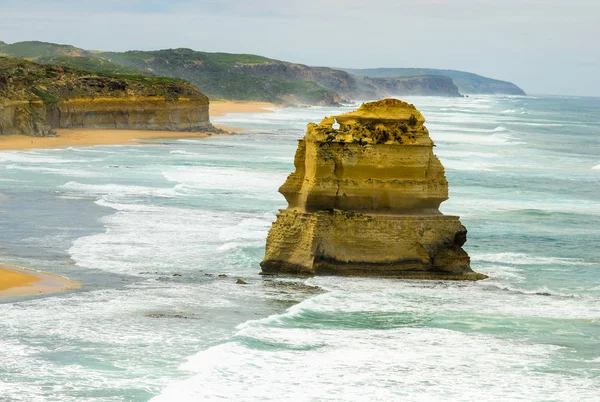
{"x":88,"y":63}
{"x":25,"y":80}
{"x":468,"y":83}
{"x":251,"y":77}
{"x":35,"y":49}
{"x":218,"y":75}
{"x":215,"y":74}
{"x":178,"y":57}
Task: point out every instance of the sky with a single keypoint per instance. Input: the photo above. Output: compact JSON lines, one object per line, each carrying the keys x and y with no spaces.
{"x":543,"y":46}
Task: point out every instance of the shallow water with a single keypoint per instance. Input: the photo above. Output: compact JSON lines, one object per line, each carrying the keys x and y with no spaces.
{"x":150,"y":228}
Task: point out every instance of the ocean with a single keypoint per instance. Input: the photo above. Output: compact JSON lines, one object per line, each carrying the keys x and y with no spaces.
{"x":160,"y":232}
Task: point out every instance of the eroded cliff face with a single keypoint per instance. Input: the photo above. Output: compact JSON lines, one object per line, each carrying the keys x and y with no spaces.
{"x":350,"y":86}
{"x":38,"y":119}
{"x":364,"y":200}
{"x":34,"y":99}
{"x":140,"y":113}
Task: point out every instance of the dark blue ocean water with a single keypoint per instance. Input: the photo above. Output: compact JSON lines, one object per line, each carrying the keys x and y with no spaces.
{"x":149,"y":228}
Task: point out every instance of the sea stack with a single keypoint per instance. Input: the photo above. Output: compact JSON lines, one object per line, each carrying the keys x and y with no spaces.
{"x":364,"y":201}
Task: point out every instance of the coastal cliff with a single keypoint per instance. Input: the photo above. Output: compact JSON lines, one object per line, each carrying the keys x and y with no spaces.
{"x":252,"y":77}
{"x":36,"y":98}
{"x":467,"y":83}
{"x":349,"y":86}
{"x":237,"y":76}
{"x":364,"y":200}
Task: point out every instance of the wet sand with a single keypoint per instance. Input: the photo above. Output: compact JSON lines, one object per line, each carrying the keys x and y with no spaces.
{"x":219,"y":108}
{"x":19,"y":281}
{"x":88,"y":137}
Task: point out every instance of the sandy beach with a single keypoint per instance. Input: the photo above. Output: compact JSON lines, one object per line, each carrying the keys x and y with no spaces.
{"x":219,"y":108}
{"x":89,"y":137}
{"x":19,"y":281}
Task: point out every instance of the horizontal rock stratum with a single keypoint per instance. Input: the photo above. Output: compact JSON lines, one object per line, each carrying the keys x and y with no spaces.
{"x":36,"y":98}
{"x":364,"y":201}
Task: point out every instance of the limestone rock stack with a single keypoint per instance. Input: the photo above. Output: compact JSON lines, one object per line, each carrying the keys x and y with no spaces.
{"x":364,"y":201}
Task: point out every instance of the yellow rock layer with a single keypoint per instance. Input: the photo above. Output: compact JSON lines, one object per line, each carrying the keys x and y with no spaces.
{"x":364,"y":200}
{"x":139,"y":113}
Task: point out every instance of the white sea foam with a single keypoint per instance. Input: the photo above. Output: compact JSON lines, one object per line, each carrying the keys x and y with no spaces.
{"x":57,"y":171}
{"x":543,"y":124}
{"x":406,"y":364}
{"x":500,"y":129}
{"x":112,"y":326}
{"x":276,"y":357}
{"x":597,"y":167}
{"x":526,"y":259}
{"x":186,"y":153}
{"x":242,"y":180}
{"x":435,"y":127}
{"x":366,"y":339}
{"x":446,"y":153}
{"x":469,"y":165}
{"x":540,"y":291}
{"x":35,"y":158}
{"x":473,"y":205}
{"x":93,"y":150}
{"x":493,"y":139}
{"x":143,"y":237}
{"x":249,"y":229}
{"x":115,"y":190}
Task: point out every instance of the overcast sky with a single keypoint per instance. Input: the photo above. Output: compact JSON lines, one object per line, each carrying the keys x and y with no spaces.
{"x":544,"y":46}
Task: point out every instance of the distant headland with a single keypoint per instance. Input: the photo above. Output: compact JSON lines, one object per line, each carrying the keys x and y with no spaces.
{"x":246,"y":77}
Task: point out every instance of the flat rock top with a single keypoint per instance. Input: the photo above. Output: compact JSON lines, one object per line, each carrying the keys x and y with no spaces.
{"x":383,"y":110}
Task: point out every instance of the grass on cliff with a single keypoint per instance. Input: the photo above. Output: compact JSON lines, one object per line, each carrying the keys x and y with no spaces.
{"x":21,"y":79}
{"x":181,"y":57}
{"x":215,"y":74}
{"x":92,"y":64}
{"x":36,"y":49}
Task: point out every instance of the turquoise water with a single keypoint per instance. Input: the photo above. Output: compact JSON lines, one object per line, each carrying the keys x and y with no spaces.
{"x":160,"y":232}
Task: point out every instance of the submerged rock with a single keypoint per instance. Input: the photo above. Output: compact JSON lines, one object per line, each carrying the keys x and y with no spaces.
{"x":364,"y":201}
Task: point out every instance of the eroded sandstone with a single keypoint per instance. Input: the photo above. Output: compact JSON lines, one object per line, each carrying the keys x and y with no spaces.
{"x":35,"y":98}
{"x":364,"y":201}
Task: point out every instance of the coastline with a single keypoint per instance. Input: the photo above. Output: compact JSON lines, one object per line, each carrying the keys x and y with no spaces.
{"x":90,"y":137}
{"x":19,"y":281}
{"x":219,"y":108}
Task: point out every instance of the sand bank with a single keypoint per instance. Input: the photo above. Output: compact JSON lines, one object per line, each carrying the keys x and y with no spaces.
{"x":219,"y":108}
{"x":19,"y":281}
{"x":88,"y":137}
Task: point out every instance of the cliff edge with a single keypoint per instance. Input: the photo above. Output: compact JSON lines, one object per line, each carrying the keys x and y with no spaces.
{"x":36,"y":98}
{"x":364,"y":201}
